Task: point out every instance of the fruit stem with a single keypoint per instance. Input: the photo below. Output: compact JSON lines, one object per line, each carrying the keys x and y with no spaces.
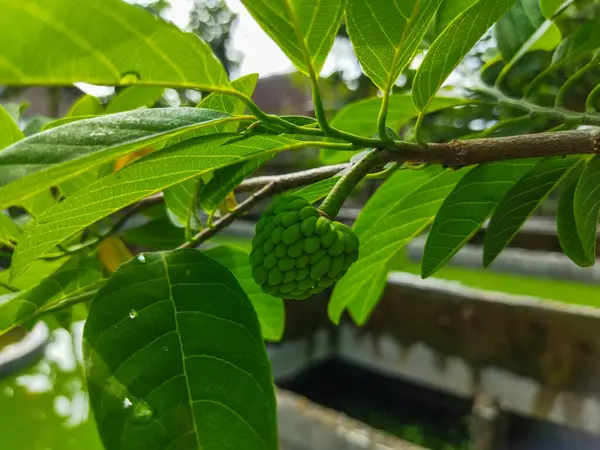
{"x":346,"y":184}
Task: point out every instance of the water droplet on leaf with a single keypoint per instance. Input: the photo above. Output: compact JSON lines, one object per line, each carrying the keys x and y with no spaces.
{"x":133,"y":314}
{"x":142,"y":411}
{"x":141,"y":258}
{"x":126,"y":403}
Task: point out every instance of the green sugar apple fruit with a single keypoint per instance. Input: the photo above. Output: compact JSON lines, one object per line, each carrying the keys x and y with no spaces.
{"x":297,"y":251}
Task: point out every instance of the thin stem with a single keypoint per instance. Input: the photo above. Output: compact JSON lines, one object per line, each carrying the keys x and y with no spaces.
{"x":586,"y":118}
{"x":590,"y":102}
{"x":8,"y":287}
{"x":571,"y":82}
{"x":418,"y":125}
{"x":69,"y":302}
{"x":227,"y":219}
{"x":346,"y":184}
{"x":293,"y":180}
{"x":382,"y":117}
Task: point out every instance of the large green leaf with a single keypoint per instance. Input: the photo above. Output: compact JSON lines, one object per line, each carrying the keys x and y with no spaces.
{"x":586,"y":206}
{"x":135,"y":97}
{"x":303,"y":29}
{"x":106,"y":42}
{"x":402,"y":208}
{"x":76,"y":276}
{"x":46,"y":159}
{"x":386,"y":34}
{"x":86,"y":105}
{"x":568,"y":236}
{"x":516,"y":27}
{"x":584,"y":40}
{"x":149,"y":175}
{"x":269,"y":309}
{"x":452,"y":45}
{"x":463,"y":212}
{"x":448,"y":11}
{"x":182,"y":199}
{"x":9,"y":130}
{"x":174,"y":359}
{"x":520,"y":202}
{"x":360,"y":117}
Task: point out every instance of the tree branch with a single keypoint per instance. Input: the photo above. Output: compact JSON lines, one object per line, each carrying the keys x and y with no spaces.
{"x":227,"y":219}
{"x":477,"y":151}
{"x":292,"y":180}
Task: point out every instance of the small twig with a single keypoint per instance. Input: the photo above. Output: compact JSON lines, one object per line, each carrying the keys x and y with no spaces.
{"x":227,"y":219}
{"x":292,"y":180}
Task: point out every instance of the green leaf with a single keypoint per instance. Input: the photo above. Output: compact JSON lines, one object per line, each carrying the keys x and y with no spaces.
{"x":64,"y":121}
{"x":360,"y":118}
{"x":174,"y":358}
{"x":317,"y":191}
{"x":520,"y":202}
{"x":182,"y":200}
{"x":549,"y":7}
{"x":448,"y":11}
{"x":37,"y":204}
{"x":147,"y":176}
{"x":583,"y":41}
{"x":46,"y":159}
{"x":105,"y":42}
{"x":586,"y":206}
{"x":159,"y":234}
{"x":135,"y":97}
{"x":303,"y":29}
{"x":86,"y":105}
{"x":269,"y":309}
{"x":463,"y":212}
{"x":10,"y":232}
{"x":77,"y":275}
{"x":225,"y":180}
{"x":73,"y":185}
{"x":386,"y":34}
{"x":9,"y":130}
{"x":518,"y":25}
{"x":400,"y":209}
{"x":452,"y":45}
{"x":568,"y":236}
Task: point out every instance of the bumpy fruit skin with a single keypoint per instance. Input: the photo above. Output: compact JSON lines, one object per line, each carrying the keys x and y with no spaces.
{"x":297,"y":251}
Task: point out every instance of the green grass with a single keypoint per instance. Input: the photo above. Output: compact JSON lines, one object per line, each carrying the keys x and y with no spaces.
{"x":564,"y":291}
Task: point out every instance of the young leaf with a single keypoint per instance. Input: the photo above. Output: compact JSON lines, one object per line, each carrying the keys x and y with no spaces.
{"x":182,"y":200}
{"x":463,"y":212}
{"x":360,"y":117}
{"x":46,"y":159}
{"x":452,"y":45}
{"x":86,"y":105}
{"x":134,"y":97}
{"x":568,"y":236}
{"x":269,"y":309}
{"x":72,"y":45}
{"x":76,"y":276}
{"x":304,"y":30}
{"x":9,"y":130}
{"x":399,"y":210}
{"x":174,"y":358}
{"x":149,"y":175}
{"x":586,"y":206}
{"x":521,"y":200}
{"x":386,"y":34}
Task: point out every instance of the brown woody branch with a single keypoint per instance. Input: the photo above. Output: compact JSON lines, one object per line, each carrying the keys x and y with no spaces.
{"x":477,"y":151}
